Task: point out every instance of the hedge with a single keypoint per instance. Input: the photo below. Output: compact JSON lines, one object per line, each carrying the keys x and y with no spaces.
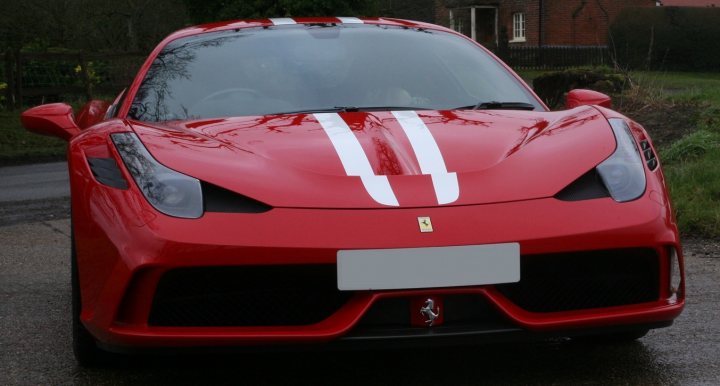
{"x":667,"y":38}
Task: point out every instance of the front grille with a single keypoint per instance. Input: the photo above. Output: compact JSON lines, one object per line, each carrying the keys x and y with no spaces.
{"x":583,"y":280}
{"x":464,"y":309}
{"x":247,"y":296}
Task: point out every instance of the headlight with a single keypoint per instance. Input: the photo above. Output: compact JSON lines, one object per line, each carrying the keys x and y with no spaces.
{"x":170,"y":192}
{"x":623,"y":173}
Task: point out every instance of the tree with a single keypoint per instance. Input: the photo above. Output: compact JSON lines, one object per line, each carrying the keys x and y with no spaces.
{"x":125,"y":25}
{"x":26,"y":22}
{"x":91,"y":25}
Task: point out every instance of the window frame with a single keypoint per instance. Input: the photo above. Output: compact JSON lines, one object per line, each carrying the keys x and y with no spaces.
{"x":519,"y":27}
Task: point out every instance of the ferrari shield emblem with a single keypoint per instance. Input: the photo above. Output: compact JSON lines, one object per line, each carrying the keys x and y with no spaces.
{"x":425,"y":224}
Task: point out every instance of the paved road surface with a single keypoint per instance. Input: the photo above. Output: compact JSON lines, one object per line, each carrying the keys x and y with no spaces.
{"x":34,"y":182}
{"x":34,"y":193}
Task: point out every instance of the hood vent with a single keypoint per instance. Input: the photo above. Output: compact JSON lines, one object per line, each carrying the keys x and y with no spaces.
{"x":217,"y":199}
{"x":587,"y":187}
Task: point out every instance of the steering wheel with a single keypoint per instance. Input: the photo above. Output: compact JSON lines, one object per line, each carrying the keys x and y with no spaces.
{"x":223,"y":102}
{"x":227,"y":92}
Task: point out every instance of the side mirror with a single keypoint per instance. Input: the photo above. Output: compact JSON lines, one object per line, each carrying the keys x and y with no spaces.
{"x":93,"y":112}
{"x":54,"y":119}
{"x":581,"y":97}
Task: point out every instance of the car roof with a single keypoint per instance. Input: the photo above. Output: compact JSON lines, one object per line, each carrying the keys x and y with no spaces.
{"x":236,"y":24}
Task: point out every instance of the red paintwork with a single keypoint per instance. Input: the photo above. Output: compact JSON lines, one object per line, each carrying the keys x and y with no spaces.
{"x":124,"y":238}
{"x":582,"y":97}
{"x":510,"y":164}
{"x":482,"y":147}
{"x":92,"y":113}
{"x":55,"y":120}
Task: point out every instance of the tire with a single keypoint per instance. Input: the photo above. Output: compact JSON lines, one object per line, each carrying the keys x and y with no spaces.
{"x":85,"y":348}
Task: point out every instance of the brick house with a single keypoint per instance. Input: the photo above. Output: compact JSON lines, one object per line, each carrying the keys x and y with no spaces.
{"x":688,"y":3}
{"x":534,"y":22}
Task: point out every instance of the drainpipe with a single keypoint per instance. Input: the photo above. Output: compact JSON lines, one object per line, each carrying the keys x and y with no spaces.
{"x":473,"y":33}
{"x":540,"y":23}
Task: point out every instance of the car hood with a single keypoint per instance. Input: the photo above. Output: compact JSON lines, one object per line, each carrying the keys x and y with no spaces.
{"x":386,"y":159}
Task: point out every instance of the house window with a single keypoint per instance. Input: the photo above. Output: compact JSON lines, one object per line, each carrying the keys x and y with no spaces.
{"x":518,"y":27}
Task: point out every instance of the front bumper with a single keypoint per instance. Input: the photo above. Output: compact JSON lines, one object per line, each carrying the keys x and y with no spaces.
{"x":124,"y":248}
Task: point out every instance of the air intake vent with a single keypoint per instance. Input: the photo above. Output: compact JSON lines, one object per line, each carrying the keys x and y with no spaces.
{"x":584,"y":280}
{"x":247,"y":296}
{"x":649,"y":155}
{"x":107,"y":172}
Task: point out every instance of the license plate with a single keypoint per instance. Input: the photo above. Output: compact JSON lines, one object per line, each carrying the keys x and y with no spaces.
{"x":405,"y":268}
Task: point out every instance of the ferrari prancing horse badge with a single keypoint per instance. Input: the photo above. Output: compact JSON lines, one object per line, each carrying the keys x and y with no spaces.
{"x":430,"y":312}
{"x":425,"y":224}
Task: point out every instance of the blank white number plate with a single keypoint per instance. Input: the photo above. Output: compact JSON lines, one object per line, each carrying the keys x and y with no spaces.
{"x":378,"y":269}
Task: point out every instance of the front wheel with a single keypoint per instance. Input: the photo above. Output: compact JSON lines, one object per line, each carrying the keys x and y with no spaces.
{"x":86,"y":351}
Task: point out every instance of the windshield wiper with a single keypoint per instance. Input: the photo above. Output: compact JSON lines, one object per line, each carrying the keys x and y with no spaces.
{"x":495,"y":105}
{"x":352,"y":109}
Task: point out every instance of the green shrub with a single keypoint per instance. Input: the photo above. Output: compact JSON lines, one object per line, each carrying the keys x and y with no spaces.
{"x":3,"y":86}
{"x":18,"y":145}
{"x":552,"y":86}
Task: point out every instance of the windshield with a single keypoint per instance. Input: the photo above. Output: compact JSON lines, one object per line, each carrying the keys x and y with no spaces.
{"x":275,"y":70}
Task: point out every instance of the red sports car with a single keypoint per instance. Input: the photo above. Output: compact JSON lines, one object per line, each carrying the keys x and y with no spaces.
{"x":338,"y":181}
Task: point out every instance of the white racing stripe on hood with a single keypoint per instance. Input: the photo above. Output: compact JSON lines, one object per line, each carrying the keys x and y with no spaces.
{"x":429,"y":157}
{"x":354,"y":159}
{"x":282,"y":21}
{"x":350,"y":20}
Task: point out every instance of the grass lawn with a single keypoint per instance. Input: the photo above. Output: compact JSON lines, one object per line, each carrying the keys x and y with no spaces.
{"x":692,"y":169}
{"x":692,"y":163}
{"x":18,"y":145}
{"x":682,"y":86}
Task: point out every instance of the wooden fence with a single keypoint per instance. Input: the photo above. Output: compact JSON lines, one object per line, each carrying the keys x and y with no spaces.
{"x":554,"y":57}
{"x":34,"y":78}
